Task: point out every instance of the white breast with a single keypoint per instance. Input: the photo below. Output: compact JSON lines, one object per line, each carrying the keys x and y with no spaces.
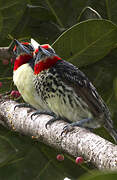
{"x":23,"y":79}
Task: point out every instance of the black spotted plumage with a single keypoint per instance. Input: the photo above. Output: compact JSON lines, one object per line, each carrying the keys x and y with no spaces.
{"x":75,"y":78}
{"x":69,"y":94}
{"x":63,"y":75}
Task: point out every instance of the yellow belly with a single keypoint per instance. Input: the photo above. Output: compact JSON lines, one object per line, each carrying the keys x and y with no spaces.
{"x":23,"y":79}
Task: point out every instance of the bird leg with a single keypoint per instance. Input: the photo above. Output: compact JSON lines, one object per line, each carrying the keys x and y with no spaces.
{"x":85,"y":123}
{"x":55,"y":117}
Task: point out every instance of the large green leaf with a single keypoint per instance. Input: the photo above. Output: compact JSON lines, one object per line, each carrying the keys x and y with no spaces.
{"x":1,"y":21}
{"x":106,"y":8}
{"x":10,"y":12}
{"x":115,"y":87}
{"x":66,"y":12}
{"x":86,"y":42}
{"x":39,"y":23}
{"x":88,"y":13}
{"x":100,"y":176}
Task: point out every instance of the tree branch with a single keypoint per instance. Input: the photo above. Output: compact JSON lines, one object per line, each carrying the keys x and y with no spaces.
{"x":79,"y":142}
{"x":6,"y":52}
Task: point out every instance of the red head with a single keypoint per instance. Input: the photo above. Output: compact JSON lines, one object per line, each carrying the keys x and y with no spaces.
{"x":23,"y":52}
{"x":45,"y":58}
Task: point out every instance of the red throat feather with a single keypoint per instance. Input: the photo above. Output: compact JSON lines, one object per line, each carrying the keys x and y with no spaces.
{"x":24,"y":43}
{"x":45,"y":64}
{"x":45,"y":46}
{"x":22,"y":59}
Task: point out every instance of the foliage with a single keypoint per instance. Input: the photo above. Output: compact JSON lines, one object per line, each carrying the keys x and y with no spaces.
{"x":82,"y":32}
{"x":100,"y":176}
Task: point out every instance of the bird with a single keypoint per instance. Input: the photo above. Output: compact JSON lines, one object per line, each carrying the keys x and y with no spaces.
{"x":23,"y":73}
{"x":66,"y":92}
{"x":56,"y":87}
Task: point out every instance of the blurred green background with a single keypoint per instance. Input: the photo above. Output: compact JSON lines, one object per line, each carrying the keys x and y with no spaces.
{"x":84,"y":32}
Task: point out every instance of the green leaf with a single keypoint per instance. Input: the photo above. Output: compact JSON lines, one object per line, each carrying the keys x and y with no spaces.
{"x":10,"y":12}
{"x":30,"y":159}
{"x":37,"y":22}
{"x":1,"y":21}
{"x":66,"y":12}
{"x":88,"y":13}
{"x":7,"y":151}
{"x":100,"y":176}
{"x":107,"y":8}
{"x":86,"y":42}
{"x":115,"y":87}
{"x":42,"y":13}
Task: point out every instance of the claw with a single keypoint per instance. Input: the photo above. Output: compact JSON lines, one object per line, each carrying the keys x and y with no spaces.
{"x":15,"y":107}
{"x":23,"y":105}
{"x":67,"y":128}
{"x":34,"y":114}
{"x":42,"y":112}
{"x":18,"y":105}
{"x":51,"y":121}
{"x":84,"y":123}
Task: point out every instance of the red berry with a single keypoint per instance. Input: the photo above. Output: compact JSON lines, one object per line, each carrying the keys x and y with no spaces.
{"x":0,"y":84}
{"x":18,"y":94}
{"x":15,"y":94}
{"x":79,"y":160}
{"x":60,"y":157}
{"x":5,"y":62}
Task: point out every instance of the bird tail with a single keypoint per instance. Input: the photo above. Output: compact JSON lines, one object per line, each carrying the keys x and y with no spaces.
{"x":109,"y":127}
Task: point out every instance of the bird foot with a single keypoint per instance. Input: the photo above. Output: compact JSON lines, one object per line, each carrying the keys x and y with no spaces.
{"x":55,"y":118}
{"x":82,"y":123}
{"x":39,"y":112}
{"x":24,"y":105}
{"x":67,"y":128}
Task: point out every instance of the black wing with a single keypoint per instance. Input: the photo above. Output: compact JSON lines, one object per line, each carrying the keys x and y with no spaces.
{"x":75,"y":78}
